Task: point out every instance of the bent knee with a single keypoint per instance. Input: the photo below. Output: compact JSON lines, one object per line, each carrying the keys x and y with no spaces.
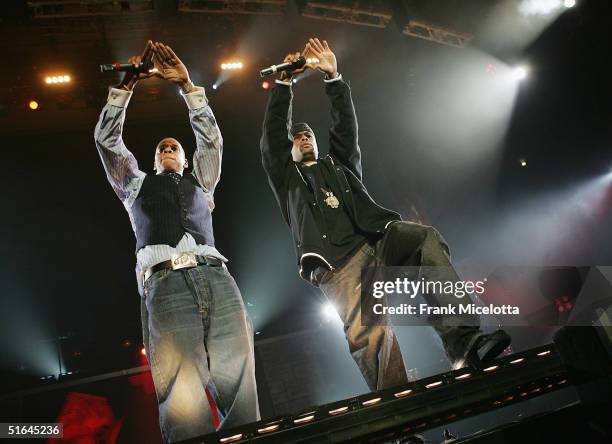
{"x":361,"y":336}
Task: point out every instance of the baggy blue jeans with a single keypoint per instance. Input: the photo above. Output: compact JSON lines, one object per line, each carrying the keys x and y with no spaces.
{"x":198,"y":336}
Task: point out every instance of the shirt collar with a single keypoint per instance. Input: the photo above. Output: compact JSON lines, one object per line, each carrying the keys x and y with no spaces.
{"x":166,"y":173}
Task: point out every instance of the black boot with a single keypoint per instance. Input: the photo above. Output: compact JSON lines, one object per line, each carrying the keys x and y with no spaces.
{"x":410,"y":439}
{"x":484,"y":348}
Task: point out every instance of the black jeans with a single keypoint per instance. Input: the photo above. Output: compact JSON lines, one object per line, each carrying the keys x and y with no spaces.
{"x":408,"y":244}
{"x":373,"y":347}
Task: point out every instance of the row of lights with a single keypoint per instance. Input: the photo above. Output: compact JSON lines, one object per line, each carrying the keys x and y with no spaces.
{"x":231,"y":66}
{"x":519,"y":72}
{"x":126,"y":343}
{"x":308,"y":417}
{"x":57,"y":79}
{"x":65,"y":78}
{"x":54,"y":377}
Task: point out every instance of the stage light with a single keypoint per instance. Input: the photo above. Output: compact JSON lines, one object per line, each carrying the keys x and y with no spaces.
{"x":232,"y":438}
{"x":143,"y":351}
{"x":543,"y":7}
{"x":403,"y":393}
{"x":214,"y":86}
{"x":463,"y":376}
{"x":338,"y":410}
{"x":520,"y":72}
{"x":523,"y":162}
{"x":64,"y":78}
{"x":371,"y":402}
{"x":33,"y":105}
{"x":329,"y":311}
{"x":268,"y":429}
{"x":265,"y":84}
{"x":538,"y":7}
{"x":304,"y":420}
{"x":231,"y":66}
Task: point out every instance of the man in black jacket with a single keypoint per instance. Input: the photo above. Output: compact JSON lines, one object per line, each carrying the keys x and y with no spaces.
{"x":337,"y":227}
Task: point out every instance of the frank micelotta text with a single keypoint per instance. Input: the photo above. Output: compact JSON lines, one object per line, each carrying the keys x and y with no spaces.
{"x":425,"y":309}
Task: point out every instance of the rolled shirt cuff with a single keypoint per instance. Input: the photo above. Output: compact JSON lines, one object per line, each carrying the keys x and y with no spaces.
{"x":195,"y":99}
{"x":119,"y":97}
{"x":335,"y":79}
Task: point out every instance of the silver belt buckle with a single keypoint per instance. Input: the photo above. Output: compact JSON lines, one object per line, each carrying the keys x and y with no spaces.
{"x":184,"y":260}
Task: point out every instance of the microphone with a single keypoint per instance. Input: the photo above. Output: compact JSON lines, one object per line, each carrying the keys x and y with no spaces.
{"x":287,"y":66}
{"x":144,"y":66}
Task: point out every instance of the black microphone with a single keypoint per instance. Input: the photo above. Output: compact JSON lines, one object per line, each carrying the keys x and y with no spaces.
{"x":144,"y":66}
{"x":287,"y":66}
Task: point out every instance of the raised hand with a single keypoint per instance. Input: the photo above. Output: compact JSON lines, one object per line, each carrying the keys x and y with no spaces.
{"x":286,"y":75}
{"x":170,"y":67}
{"x":326,"y":58}
{"x":130,"y":79}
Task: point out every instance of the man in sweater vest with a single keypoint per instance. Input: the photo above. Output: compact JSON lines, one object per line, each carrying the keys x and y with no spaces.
{"x":196,"y":330}
{"x":339,"y":230}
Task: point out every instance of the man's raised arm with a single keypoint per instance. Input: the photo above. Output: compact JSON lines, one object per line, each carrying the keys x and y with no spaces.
{"x":209,"y":142}
{"x":343,"y":134}
{"x":119,"y":163}
{"x":275,"y":144}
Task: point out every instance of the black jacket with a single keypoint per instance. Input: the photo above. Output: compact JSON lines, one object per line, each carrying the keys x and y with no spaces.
{"x":341,"y":166}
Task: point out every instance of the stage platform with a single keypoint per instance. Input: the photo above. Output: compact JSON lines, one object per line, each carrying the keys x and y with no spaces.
{"x":579,"y":360}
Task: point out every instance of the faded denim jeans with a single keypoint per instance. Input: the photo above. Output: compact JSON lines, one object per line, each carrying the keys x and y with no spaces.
{"x":198,"y":337}
{"x":373,"y":347}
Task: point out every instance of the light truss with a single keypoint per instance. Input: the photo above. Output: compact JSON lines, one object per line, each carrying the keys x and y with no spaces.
{"x":436,"y":33}
{"x":261,"y":7}
{"x":80,"y":8}
{"x":347,"y":11}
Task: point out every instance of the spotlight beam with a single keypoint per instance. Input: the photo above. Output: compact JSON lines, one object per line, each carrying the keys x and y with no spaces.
{"x":520,"y":73}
